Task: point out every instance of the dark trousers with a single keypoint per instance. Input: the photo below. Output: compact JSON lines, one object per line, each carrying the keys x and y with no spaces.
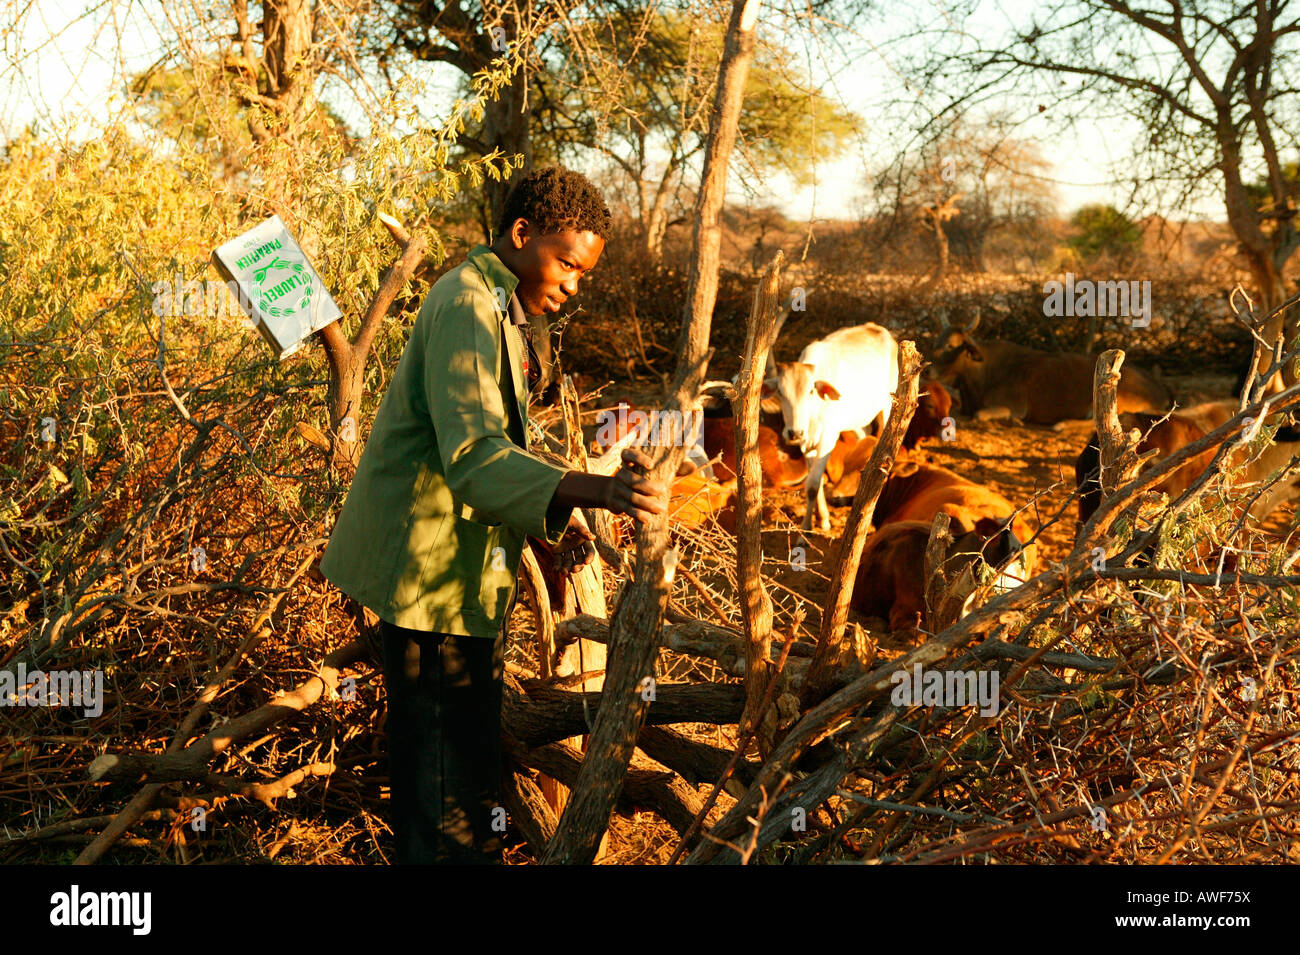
{"x":444,"y":745}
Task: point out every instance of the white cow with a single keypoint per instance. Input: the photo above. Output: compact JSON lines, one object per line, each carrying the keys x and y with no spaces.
{"x":842,"y":382}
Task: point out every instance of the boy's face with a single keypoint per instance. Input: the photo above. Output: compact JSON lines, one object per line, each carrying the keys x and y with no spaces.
{"x":548,"y":266}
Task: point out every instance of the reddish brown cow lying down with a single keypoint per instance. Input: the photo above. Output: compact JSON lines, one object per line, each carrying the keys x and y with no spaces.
{"x":917,"y":492}
{"x":1167,"y":435}
{"x":845,"y":488}
{"x":694,"y":499}
{"x":782,"y":464}
{"x":891,"y":576}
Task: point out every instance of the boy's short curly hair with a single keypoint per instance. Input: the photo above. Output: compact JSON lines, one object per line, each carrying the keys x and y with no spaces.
{"x":555,"y":199}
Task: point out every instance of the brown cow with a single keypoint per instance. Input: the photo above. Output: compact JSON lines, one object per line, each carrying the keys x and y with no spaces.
{"x":932,"y":408}
{"x":933,"y":405}
{"x":845,"y":488}
{"x":891,"y":575}
{"x":783,"y":465}
{"x":996,"y":379}
{"x":917,"y":492}
{"x":694,"y":499}
{"x":1167,"y":434}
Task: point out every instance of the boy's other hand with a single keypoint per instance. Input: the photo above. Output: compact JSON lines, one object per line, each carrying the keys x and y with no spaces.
{"x":576,"y":548}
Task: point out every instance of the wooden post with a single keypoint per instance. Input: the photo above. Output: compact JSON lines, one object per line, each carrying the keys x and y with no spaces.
{"x":1119,"y":460}
{"x":755,"y":605}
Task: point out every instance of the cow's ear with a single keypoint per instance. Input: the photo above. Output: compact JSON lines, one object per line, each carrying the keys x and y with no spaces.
{"x":826,"y":390}
{"x":976,"y":353}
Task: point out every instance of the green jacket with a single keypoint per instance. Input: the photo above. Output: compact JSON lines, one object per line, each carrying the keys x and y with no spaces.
{"x":432,"y":531}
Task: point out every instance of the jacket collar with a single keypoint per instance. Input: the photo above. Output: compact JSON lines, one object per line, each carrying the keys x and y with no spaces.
{"x":497,"y":276}
{"x":494,"y":271}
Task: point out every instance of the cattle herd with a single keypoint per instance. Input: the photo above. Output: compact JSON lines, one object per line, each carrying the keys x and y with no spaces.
{"x":816,"y":429}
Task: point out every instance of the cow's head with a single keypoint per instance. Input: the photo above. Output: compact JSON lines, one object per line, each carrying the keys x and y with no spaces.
{"x":801,"y":397}
{"x":995,"y":555}
{"x":955,"y":350}
{"x":933,"y":405}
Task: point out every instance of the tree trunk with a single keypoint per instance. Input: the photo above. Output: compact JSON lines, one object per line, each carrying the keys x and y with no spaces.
{"x":702,"y":291}
{"x":654,"y":219}
{"x":505,"y":127}
{"x":934,"y":216}
{"x":652,"y":234}
{"x":286,"y":32}
{"x":1265,"y":254}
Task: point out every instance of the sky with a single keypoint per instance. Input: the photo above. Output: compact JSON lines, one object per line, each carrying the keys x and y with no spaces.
{"x":66,"y":65}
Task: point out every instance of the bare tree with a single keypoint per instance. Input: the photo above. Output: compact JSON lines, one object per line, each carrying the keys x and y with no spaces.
{"x":934,"y":216}
{"x":996,"y":175}
{"x":1210,"y":84}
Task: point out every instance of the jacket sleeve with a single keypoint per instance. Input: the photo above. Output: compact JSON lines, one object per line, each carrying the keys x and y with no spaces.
{"x":484,"y":468}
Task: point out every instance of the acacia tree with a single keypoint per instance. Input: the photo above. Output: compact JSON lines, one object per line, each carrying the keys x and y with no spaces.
{"x":635,"y":86}
{"x":1209,"y":85}
{"x":245,"y":92}
{"x":1001,"y":179}
{"x":1104,"y":230}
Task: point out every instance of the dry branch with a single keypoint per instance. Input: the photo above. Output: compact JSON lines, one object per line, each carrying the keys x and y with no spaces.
{"x":545,"y":715}
{"x":694,"y":761}
{"x":347,"y":359}
{"x":633,"y":644}
{"x":662,"y":792}
{"x":141,"y":802}
{"x":191,"y":762}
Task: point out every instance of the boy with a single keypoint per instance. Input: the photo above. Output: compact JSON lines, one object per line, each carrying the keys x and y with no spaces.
{"x":432,"y":531}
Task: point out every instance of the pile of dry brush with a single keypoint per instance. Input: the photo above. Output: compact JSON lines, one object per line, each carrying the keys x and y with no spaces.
{"x":1147,"y":705}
